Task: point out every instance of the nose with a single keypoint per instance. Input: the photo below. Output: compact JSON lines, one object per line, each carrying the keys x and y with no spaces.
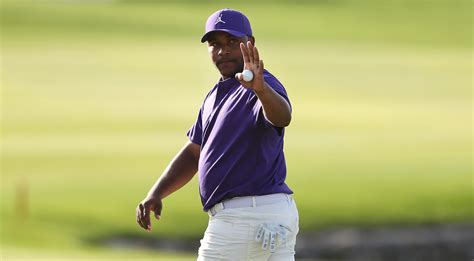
{"x":224,"y":50}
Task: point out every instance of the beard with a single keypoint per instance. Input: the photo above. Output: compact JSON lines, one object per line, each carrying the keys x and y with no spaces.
{"x":230,"y":71}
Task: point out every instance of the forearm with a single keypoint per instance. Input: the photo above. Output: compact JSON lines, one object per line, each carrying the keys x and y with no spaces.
{"x":275,"y":108}
{"x":179,"y":172}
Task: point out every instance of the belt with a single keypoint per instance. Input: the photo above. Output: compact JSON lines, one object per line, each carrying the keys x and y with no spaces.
{"x":249,"y":201}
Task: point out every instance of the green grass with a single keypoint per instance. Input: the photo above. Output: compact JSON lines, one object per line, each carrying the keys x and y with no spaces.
{"x":97,"y":98}
{"x":424,"y":22}
{"x":91,"y":254}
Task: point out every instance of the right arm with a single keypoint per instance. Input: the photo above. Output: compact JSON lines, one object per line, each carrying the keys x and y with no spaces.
{"x":179,"y":172}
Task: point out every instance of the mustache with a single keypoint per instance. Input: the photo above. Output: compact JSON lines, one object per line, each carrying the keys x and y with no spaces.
{"x":225,"y":60}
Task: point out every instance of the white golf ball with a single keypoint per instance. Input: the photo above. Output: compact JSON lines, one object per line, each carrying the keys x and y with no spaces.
{"x":247,"y":75}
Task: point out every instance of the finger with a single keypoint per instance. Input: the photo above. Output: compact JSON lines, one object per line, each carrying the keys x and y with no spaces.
{"x":143,"y":216}
{"x":157,"y":211}
{"x":250,"y":52}
{"x":139,"y":216}
{"x":239,"y":76}
{"x":244,"y":52}
{"x":266,"y":240}
{"x":260,"y":232}
{"x":147,"y":217}
{"x":142,"y":210}
{"x":260,"y":67}
{"x":256,"y":56}
{"x":272,"y":242}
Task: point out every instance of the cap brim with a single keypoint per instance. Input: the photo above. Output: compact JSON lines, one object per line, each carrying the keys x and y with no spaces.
{"x":232,"y":32}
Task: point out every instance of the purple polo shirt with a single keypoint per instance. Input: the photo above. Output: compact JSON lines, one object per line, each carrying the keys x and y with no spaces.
{"x":241,"y":152}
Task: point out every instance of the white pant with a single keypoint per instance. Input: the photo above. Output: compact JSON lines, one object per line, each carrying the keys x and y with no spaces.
{"x":232,"y":233}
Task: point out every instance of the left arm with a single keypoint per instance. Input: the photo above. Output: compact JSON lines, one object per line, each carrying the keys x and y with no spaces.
{"x":275,"y":108}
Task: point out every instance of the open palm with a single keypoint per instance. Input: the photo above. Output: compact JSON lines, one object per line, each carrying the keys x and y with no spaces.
{"x":253,"y":63}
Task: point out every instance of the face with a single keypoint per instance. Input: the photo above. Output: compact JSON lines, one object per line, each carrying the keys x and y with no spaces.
{"x":225,"y":53}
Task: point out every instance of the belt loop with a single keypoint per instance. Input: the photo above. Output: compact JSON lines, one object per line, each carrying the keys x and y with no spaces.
{"x":254,"y":204}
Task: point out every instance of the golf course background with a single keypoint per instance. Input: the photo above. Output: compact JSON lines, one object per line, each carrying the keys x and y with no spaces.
{"x":97,"y":97}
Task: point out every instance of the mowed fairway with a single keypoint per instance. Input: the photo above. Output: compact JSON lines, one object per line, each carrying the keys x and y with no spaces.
{"x":93,"y":110}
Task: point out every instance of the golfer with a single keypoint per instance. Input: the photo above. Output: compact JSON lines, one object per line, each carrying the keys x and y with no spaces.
{"x":236,"y":144}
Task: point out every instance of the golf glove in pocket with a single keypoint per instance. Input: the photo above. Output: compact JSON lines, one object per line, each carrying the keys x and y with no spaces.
{"x":271,"y":236}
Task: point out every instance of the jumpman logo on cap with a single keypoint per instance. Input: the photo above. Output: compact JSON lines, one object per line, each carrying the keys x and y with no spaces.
{"x":219,"y":20}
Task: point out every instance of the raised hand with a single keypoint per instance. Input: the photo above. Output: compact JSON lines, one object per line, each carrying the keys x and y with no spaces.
{"x":253,"y":63}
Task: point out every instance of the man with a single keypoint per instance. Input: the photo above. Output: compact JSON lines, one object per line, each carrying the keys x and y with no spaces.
{"x":236,"y":144}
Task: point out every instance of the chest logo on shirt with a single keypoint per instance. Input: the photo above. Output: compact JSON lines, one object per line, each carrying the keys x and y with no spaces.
{"x":219,"y":20}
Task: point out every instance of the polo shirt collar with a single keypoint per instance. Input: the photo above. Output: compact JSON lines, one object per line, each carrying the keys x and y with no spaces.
{"x":227,"y":83}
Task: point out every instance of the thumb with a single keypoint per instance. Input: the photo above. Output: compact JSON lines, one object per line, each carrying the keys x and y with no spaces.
{"x":157,"y":211}
{"x":239,"y":76}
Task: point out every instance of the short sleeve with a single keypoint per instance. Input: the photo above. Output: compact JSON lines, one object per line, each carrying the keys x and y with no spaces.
{"x":278,"y":87}
{"x":195,"y":132}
